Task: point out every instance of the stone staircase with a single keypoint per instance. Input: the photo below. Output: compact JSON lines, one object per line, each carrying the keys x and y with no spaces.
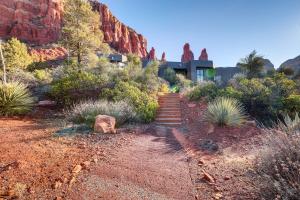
{"x":169,"y":112}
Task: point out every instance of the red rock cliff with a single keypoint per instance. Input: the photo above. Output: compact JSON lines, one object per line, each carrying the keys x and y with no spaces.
{"x":121,"y":37}
{"x":39,"y":22}
{"x":33,"y":21}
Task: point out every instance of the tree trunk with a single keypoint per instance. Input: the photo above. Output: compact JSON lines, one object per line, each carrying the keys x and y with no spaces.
{"x":3,"y":64}
{"x":79,"y":59}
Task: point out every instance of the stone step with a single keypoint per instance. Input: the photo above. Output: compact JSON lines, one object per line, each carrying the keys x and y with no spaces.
{"x":171,"y":124}
{"x":167,"y":115}
{"x":169,"y":120}
{"x":169,"y":109}
{"x":168,"y":112}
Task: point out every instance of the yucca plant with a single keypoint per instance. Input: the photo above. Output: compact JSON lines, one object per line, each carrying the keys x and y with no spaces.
{"x":225,"y":111}
{"x":15,"y":99}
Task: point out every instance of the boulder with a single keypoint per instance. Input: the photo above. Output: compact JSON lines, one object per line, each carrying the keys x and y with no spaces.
{"x":105,"y":124}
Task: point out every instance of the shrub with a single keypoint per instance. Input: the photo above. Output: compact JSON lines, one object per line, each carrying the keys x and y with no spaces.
{"x":16,"y":54}
{"x":75,"y":86}
{"x":14,"y":99}
{"x":231,"y":93}
{"x":225,"y":112}
{"x":144,"y":104}
{"x":292,"y":104}
{"x":21,"y":76}
{"x":43,"y":75}
{"x":170,"y":75}
{"x":256,"y":97}
{"x":207,"y":90}
{"x":86,"y":112}
{"x":183,"y":82}
{"x":279,"y":165}
{"x":149,"y":80}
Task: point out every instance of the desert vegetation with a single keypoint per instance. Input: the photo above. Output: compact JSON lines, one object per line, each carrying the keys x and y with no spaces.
{"x":253,"y":110}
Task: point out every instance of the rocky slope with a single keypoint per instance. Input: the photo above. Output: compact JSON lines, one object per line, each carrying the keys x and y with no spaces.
{"x":293,"y":64}
{"x":39,"y":22}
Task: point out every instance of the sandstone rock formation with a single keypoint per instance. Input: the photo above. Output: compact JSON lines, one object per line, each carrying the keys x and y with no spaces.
{"x":121,"y":37}
{"x":204,"y":55}
{"x":188,"y":55}
{"x":151,"y":55}
{"x":39,"y":22}
{"x":35,"y":21}
{"x":48,"y":54}
{"x":163,"y":57}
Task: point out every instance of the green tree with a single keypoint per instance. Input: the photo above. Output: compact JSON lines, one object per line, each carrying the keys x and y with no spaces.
{"x":16,"y":54}
{"x":252,"y":64}
{"x":81,"y":31}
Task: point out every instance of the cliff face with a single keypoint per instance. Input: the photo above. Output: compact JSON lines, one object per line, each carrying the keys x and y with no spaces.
{"x":33,"y":21}
{"x":39,"y":22}
{"x":118,"y":35}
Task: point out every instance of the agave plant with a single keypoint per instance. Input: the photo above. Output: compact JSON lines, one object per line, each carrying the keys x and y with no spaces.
{"x":225,"y":111}
{"x":15,"y":99}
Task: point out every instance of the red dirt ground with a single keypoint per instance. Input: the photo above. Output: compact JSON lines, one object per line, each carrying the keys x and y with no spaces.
{"x":144,"y":162}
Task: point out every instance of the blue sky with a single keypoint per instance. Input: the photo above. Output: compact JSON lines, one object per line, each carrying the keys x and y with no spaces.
{"x":229,"y":29}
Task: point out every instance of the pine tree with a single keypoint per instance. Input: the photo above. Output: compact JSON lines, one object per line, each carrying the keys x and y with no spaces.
{"x":81,"y":32}
{"x":16,"y":54}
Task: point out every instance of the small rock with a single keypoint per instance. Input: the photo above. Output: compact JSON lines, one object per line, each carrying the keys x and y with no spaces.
{"x":192,"y":105}
{"x":95,"y":160}
{"x":86,"y":164}
{"x":196,"y":197}
{"x":72,"y":181}
{"x":226,"y":178}
{"x":208,"y":177}
{"x":57,"y":185}
{"x":251,"y":123}
{"x":77,"y":169}
{"x":200,"y":162}
{"x":65,"y":180}
{"x":218,"y":196}
{"x":30,"y":190}
{"x":58,"y":198}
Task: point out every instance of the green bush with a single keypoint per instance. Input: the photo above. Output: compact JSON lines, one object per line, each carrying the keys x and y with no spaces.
{"x":292,"y":104}
{"x":263,"y":98}
{"x":149,"y":80}
{"x":209,"y":91}
{"x":144,"y":104}
{"x":21,"y":76}
{"x":231,"y":93}
{"x":15,"y":99}
{"x":16,"y":54}
{"x":225,"y":112}
{"x":75,"y":86}
{"x":170,"y":75}
{"x":86,"y":112}
{"x":43,"y":75}
{"x":183,"y":83}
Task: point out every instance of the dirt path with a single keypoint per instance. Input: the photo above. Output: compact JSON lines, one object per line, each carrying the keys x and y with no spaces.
{"x":152,"y":166}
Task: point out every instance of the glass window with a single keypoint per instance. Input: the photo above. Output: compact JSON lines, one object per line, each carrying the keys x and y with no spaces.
{"x":200,"y":75}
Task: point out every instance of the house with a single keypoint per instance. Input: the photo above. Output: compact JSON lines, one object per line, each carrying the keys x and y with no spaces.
{"x":195,"y":70}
